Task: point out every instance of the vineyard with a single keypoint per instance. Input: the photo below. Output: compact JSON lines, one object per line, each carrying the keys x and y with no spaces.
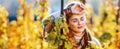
{"x":28,"y":31}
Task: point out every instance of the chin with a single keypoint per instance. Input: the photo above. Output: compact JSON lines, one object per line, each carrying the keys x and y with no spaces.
{"x":81,"y":30}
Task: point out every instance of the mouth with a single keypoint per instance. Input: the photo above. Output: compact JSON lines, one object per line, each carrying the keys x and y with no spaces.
{"x":80,"y":27}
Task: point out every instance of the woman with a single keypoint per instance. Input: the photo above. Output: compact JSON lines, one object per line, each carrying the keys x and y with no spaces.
{"x":76,"y":20}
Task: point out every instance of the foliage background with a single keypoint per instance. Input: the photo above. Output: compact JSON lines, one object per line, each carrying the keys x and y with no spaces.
{"x":21,"y":24}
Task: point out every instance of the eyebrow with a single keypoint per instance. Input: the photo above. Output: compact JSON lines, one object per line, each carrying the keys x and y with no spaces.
{"x":74,"y":19}
{"x":81,"y":17}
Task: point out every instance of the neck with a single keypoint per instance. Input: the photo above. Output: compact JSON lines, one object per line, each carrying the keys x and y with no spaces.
{"x":77,"y":33}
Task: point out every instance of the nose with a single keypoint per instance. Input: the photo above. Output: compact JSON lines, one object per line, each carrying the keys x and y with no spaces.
{"x":79,"y":22}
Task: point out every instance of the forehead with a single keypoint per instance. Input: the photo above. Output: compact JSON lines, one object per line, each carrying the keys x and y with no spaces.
{"x":77,"y":16}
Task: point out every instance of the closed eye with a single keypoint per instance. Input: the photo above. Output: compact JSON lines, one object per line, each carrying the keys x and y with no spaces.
{"x":82,"y":18}
{"x":74,"y":20}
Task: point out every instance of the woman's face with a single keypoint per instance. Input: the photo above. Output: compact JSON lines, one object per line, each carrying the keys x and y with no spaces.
{"x":77,"y":22}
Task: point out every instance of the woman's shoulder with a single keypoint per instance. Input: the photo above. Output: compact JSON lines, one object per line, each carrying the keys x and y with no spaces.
{"x":93,"y":39}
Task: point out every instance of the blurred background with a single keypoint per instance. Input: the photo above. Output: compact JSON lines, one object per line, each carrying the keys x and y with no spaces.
{"x":12,"y":5}
{"x":20,"y":25}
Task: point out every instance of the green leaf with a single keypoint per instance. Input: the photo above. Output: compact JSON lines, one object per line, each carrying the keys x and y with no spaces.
{"x":63,"y":37}
{"x":57,"y":40}
{"x":68,"y":45}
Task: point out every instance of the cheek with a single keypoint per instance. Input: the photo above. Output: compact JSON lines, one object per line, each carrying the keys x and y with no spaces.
{"x":83,"y":23}
{"x":72,"y":25}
